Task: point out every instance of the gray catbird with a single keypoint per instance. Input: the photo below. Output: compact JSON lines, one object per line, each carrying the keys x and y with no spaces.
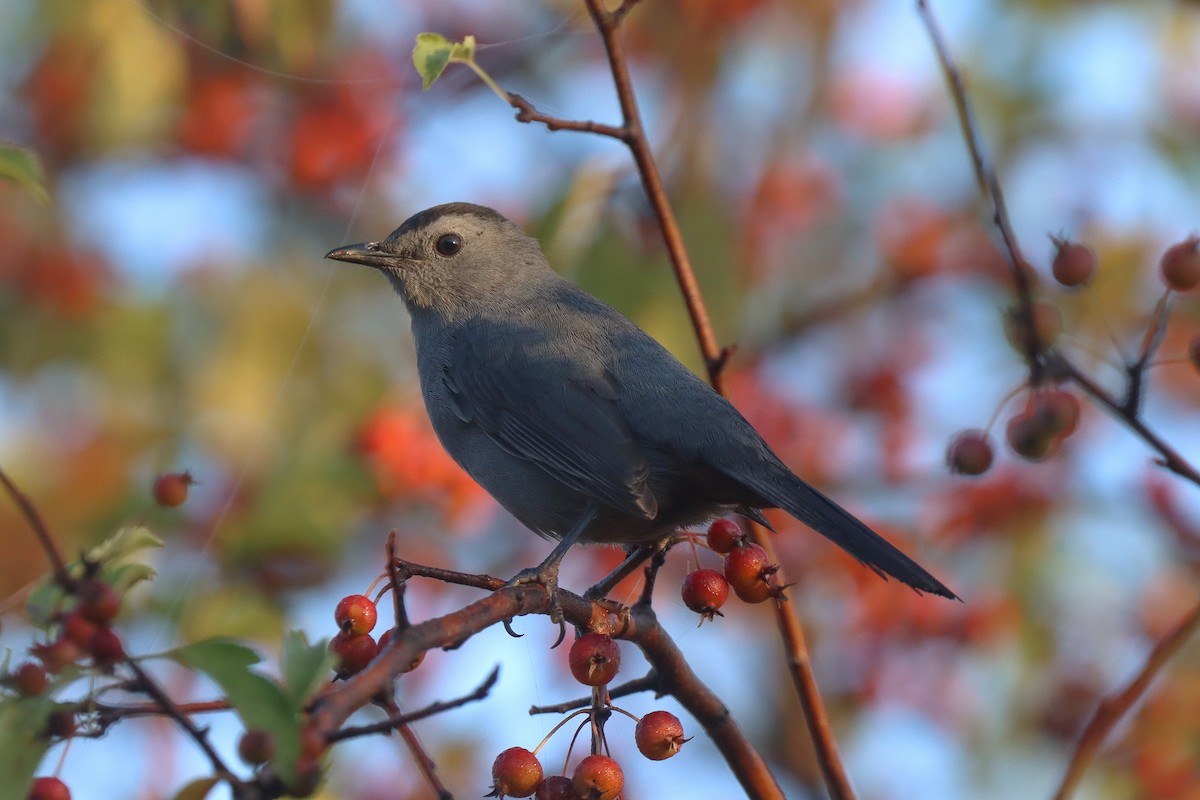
{"x":572,"y":417}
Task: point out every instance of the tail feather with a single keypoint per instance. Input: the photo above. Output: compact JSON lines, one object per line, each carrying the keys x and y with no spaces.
{"x":843,"y":529}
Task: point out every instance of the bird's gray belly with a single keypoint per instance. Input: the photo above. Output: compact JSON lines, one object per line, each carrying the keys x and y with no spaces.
{"x":549,"y":507}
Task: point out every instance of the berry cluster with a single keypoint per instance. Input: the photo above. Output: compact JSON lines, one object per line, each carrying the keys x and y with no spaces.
{"x":746,"y":569}
{"x":1050,"y":415}
{"x":353,"y":646}
{"x":594,"y":660}
{"x":80,"y":632}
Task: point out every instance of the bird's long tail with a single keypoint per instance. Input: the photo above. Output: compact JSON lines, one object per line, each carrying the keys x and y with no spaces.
{"x":842,"y":528}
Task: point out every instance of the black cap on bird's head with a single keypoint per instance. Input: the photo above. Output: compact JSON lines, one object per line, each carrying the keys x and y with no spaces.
{"x":446,"y":258}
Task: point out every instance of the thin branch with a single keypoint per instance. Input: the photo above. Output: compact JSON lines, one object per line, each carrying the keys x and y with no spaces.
{"x":527,"y":113}
{"x":1168,"y":456}
{"x":399,"y":719}
{"x":646,"y":683}
{"x":989,"y":186}
{"x":149,"y":686}
{"x":1135,"y":372}
{"x":410,"y":569}
{"x":398,"y":583}
{"x":804,"y":681}
{"x":1116,"y":705}
{"x":424,"y":760}
{"x":39,"y":528}
{"x":109,"y":714}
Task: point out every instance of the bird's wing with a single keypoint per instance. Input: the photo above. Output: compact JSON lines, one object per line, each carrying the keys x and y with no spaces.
{"x":556,"y":411}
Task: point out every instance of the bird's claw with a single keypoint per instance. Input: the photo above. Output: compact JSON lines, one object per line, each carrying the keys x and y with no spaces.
{"x":546,"y":576}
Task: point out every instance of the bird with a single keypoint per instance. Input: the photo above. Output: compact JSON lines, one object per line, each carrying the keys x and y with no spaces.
{"x":573,"y":418}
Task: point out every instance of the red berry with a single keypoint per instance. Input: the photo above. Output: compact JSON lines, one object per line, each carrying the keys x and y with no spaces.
{"x":724,"y":535}
{"x":1058,"y":410}
{"x":98,"y":602}
{"x":659,"y":735}
{"x":594,"y":659}
{"x":969,"y":453}
{"x":256,"y":747}
{"x":355,"y":614}
{"x":29,"y":679}
{"x":557,"y":787}
{"x":1030,"y":438}
{"x":49,"y":789}
{"x":1074,"y":263}
{"x":352,"y":653}
{"x":171,"y":488}
{"x":1180,"y":265}
{"x":515,"y":773}
{"x":106,"y":648}
{"x":385,"y":638}
{"x":749,"y":572}
{"x":78,"y":629}
{"x":598,"y":778}
{"x":704,"y":591}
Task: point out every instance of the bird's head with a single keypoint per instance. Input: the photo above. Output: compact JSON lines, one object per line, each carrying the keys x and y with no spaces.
{"x":453,"y":260}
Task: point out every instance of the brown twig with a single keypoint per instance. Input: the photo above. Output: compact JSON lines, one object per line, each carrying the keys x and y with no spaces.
{"x":640,"y":627}
{"x":149,"y":686}
{"x":399,"y":719}
{"x":109,"y":714}
{"x":1113,"y":707}
{"x":1168,"y":456}
{"x":1135,"y":372}
{"x":424,"y":760}
{"x":646,"y":683}
{"x":804,"y":681}
{"x":989,"y":186}
{"x":633,"y":134}
{"x":39,"y":528}
{"x":398,"y":584}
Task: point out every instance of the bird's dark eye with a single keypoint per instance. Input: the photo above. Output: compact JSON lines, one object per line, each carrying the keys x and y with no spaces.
{"x":448,"y":244}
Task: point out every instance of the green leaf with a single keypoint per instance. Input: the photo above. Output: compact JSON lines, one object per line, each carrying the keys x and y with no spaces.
{"x":24,"y":168}
{"x":430,"y":56}
{"x":464,"y":50}
{"x":197,"y":789}
{"x":125,"y":576}
{"x":306,"y":667}
{"x":260,"y":702}
{"x":22,"y":719}
{"x":124,"y":542}
{"x":43,"y":603}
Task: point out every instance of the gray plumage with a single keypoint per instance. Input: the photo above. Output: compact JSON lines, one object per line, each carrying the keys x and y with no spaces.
{"x":552,"y":400}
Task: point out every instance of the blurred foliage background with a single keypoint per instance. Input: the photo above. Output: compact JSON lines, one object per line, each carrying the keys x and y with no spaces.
{"x":169,"y":308}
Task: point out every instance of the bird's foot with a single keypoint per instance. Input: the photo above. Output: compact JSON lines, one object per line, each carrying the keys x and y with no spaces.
{"x":546,"y":576}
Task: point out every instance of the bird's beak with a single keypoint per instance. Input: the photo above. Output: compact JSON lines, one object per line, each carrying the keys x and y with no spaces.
{"x":367,"y":253}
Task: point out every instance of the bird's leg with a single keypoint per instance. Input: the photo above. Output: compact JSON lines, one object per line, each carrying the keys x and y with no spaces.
{"x":634,"y":560}
{"x":546,"y":573}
